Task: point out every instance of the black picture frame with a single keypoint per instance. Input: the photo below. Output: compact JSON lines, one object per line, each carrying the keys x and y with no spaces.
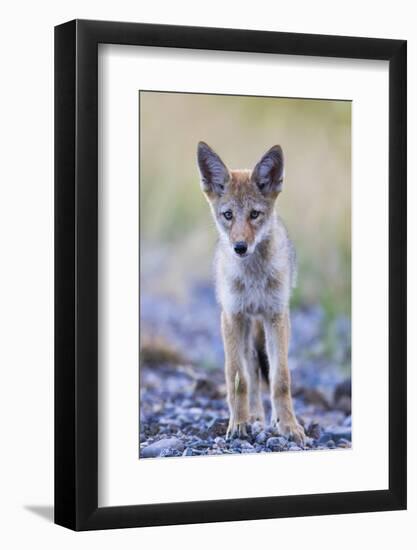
{"x":76,"y":273}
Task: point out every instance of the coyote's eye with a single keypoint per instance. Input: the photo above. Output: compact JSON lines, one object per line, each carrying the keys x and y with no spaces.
{"x":228,"y":214}
{"x":254,"y":214}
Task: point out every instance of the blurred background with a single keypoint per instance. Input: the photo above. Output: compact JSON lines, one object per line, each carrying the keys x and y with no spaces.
{"x":179,"y":315}
{"x":315,"y":203}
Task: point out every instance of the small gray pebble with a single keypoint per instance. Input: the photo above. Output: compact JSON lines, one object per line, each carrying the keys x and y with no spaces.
{"x":169,"y":452}
{"x":261,"y":438}
{"x":339,"y":432}
{"x":155,"y":449}
{"x":324,"y":438}
{"x":276,"y":442}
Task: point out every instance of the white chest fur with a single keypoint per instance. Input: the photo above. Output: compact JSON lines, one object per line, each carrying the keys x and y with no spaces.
{"x":255,"y":285}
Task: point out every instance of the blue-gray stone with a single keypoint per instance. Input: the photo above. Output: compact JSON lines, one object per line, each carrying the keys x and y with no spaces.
{"x":339,"y":432}
{"x":261,"y":438}
{"x":155,"y":449}
{"x":276,"y":442}
{"x":324,"y":438}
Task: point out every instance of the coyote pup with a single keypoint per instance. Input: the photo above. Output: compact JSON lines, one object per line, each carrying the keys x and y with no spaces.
{"x":255,"y":271}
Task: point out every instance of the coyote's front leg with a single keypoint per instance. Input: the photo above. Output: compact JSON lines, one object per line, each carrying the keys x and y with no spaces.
{"x":277,"y":332}
{"x":233,"y":331}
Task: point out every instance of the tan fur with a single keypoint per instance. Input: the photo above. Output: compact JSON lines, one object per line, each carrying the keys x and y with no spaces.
{"x":254,"y":288}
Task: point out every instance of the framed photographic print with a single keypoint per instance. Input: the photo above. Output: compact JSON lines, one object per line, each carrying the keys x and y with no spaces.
{"x":230,"y":253}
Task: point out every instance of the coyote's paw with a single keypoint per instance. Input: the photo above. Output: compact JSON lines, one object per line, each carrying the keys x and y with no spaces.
{"x":291,"y":429}
{"x":236,"y":429}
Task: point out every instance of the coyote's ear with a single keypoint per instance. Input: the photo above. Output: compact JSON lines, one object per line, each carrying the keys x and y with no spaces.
{"x":268,"y":174}
{"x":214,"y":174}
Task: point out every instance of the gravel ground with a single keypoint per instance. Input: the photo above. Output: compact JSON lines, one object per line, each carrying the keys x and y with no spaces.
{"x":183,"y":410}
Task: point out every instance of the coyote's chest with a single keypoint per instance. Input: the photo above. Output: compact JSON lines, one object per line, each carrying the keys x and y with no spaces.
{"x":253,"y":287}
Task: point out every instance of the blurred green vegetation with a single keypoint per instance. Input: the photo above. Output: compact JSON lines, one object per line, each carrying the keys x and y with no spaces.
{"x":177,"y":233}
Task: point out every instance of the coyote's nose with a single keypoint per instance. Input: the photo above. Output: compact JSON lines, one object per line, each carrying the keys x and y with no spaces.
{"x":240,"y":248}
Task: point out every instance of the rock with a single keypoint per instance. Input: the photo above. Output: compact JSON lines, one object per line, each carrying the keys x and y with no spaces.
{"x":276,"y":443}
{"x":261,"y":438}
{"x":217,"y":426}
{"x":198,"y":452}
{"x":192,"y":430}
{"x":200,"y":445}
{"x":187,"y":402}
{"x":331,"y":444}
{"x":339,"y":432}
{"x":324,"y":438}
{"x":313,"y":396}
{"x":295,"y":448}
{"x":170,"y":452}
{"x":155,"y":449}
{"x":171,"y":422}
{"x":151,"y":429}
{"x":206,"y":387}
{"x":184,"y":419}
